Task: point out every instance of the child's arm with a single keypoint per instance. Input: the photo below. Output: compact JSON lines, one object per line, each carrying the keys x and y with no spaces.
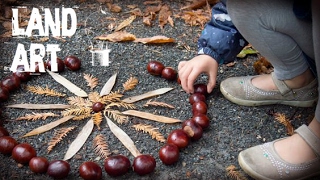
{"x":219,"y":42}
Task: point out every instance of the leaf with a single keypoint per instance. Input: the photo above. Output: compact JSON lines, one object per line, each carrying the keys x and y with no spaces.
{"x":80,"y":140}
{"x":155,"y":40}
{"x":118,"y":36}
{"x":109,"y":85}
{"x":247,"y":50}
{"x":121,"y":104}
{"x":58,"y":136}
{"x":92,"y":81}
{"x":79,"y":101}
{"x":123,"y":137}
{"x":36,"y":116}
{"x":39,"y":106}
{"x":155,"y":134}
{"x":199,"y":4}
{"x":234,"y":174}
{"x":114,"y":8}
{"x":97,"y":119}
{"x":82,"y":116}
{"x":76,"y":111}
{"x":130,"y":84}
{"x":94,"y":97}
{"x":67,"y":84}
{"x":111,"y":97}
{"x":150,"y":116}
{"x":164,"y":14}
{"x":283,"y":120}
{"x":48,"y":126}
{"x":116,"y":115}
{"x":125,"y":23}
{"x":101,"y":146}
{"x":45,"y":91}
{"x":147,"y":95}
{"x":156,"y":103}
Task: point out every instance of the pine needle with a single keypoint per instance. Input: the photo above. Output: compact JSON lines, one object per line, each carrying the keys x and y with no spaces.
{"x":101,"y":147}
{"x":285,"y":121}
{"x":97,"y":119}
{"x":36,"y":116}
{"x":44,"y":91}
{"x":58,"y":136}
{"x":130,"y":84}
{"x":79,"y":101}
{"x":234,"y":174}
{"x":155,"y":134}
{"x":76,"y":111}
{"x":92,"y":81}
{"x":116,"y":115}
{"x":156,"y":103}
{"x":94,"y":97}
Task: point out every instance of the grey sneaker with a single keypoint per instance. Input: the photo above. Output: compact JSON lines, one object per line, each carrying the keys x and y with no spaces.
{"x":263,"y":162}
{"x":240,"y":90}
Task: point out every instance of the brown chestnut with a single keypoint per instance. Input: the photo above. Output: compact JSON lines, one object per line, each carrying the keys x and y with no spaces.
{"x":169,"y":154}
{"x":199,"y":108}
{"x":60,"y":63}
{"x":192,"y":129}
{"x":97,"y":106}
{"x":155,"y":68}
{"x":179,"y":138}
{"x":144,"y":164}
{"x":200,"y":88}
{"x":22,"y":75}
{"x":4,"y":94}
{"x":3,"y":131}
{"x":22,"y":153}
{"x":90,"y":170}
{"x":58,"y":169}
{"x":117,"y":165}
{"x":169,"y":73}
{"x":72,"y":62}
{"x":38,"y":164}
{"x":202,"y":120}
{"x":7,"y":144}
{"x":196,"y":97}
{"x":11,"y":83}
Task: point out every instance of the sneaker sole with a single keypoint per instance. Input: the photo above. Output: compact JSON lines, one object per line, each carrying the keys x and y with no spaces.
{"x":243,"y":102}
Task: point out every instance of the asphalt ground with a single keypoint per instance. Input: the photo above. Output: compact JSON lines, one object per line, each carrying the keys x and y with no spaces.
{"x":232,"y":128}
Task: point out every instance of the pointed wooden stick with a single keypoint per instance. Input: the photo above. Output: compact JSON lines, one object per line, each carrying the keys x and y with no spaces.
{"x":150,"y":116}
{"x":147,"y":95}
{"x":39,"y":106}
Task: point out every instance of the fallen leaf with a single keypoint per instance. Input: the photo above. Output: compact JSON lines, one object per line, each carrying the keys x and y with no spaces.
{"x":114,"y":8}
{"x":164,"y":14}
{"x":155,"y":40}
{"x":147,"y":95}
{"x":152,"y":117}
{"x":125,"y":23}
{"x":109,"y":85}
{"x":199,"y":4}
{"x":118,"y":36}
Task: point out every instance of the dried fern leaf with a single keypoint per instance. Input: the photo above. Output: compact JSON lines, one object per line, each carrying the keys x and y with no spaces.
{"x":82,"y":117}
{"x":39,"y":106}
{"x":79,"y":101}
{"x":155,"y":134}
{"x":234,"y":174}
{"x":97,"y":119}
{"x":120,"y":104}
{"x":92,"y":81}
{"x":58,"y":136}
{"x":130,"y":84}
{"x":116,"y":115}
{"x":101,"y":146}
{"x":285,"y":121}
{"x":156,"y":103}
{"x":150,"y":116}
{"x":94,"y":97}
{"x":111,"y":97}
{"x":76,"y":111}
{"x":36,"y":116}
{"x":44,"y":91}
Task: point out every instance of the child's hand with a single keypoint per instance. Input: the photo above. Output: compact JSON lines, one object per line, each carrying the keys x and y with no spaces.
{"x":190,"y":70}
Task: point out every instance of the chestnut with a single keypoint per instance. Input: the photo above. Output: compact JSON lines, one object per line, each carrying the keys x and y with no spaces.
{"x":3,"y":131}
{"x":38,"y":164}
{"x":7,"y":143}
{"x":202,"y":120}
{"x":23,"y":76}
{"x":169,"y":154}
{"x":179,"y":138}
{"x":72,"y":62}
{"x":199,"y":108}
{"x":22,"y":153}
{"x":155,"y":68}
{"x":117,"y":165}
{"x":4,"y":94}
{"x":97,"y":106}
{"x":60,"y":65}
{"x":58,"y":169}
{"x":196,"y":97}
{"x":11,"y":83}
{"x":90,"y":170}
{"x":192,"y":129}
{"x":144,"y":164}
{"x":169,"y":73}
{"x":200,"y":88}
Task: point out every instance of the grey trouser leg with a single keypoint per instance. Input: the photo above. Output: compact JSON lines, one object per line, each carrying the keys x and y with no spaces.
{"x":273,"y":29}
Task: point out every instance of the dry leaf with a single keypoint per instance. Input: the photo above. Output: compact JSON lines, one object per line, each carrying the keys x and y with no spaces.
{"x":170,"y":21}
{"x":111,"y":97}
{"x":147,"y":95}
{"x":147,"y":20}
{"x":77,"y":111}
{"x":97,"y":119}
{"x":164,"y":14}
{"x":156,"y":103}
{"x":234,"y":174}
{"x":196,"y":18}
{"x":199,"y":4}
{"x":114,"y":8}
{"x":155,"y":40}
{"x":45,"y":91}
{"x":101,"y":146}
{"x":6,"y":34}
{"x":155,"y":134}
{"x":130,"y":84}
{"x":120,"y":104}
{"x":39,"y":106}
{"x":283,"y":120}
{"x":152,"y":2}
{"x":125,"y":23}
{"x":152,"y":10}
{"x":262,"y":66}
{"x":109,"y":85}
{"x":48,"y":126}
{"x":116,"y":115}
{"x":94,"y":97}
{"x":79,"y":101}
{"x":92,"y":81}
{"x":82,"y":137}
{"x":58,"y":136}
{"x":150,"y":116}
{"x":36,"y":116}
{"x":118,"y":36}
{"x":82,"y":117}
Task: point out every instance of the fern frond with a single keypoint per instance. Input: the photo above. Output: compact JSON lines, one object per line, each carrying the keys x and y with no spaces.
{"x":76,"y":111}
{"x":156,"y":103}
{"x":111,"y":97}
{"x":36,"y":116}
{"x":234,"y":174}
{"x":58,"y":136}
{"x":120,"y":104}
{"x":285,"y":121}
{"x":82,"y":117}
{"x":101,"y":147}
{"x":130,"y":84}
{"x":44,"y":91}
{"x":79,"y":101}
{"x":155,"y":134}
{"x":92,"y":81}
{"x":116,"y":115}
{"x":94,"y":97}
{"x":97,"y":119}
